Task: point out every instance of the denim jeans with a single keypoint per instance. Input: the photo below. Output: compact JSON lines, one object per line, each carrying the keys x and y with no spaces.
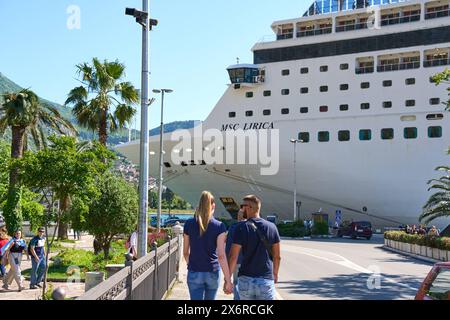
{"x":203,"y":285}
{"x":236,"y":283}
{"x":2,"y":267}
{"x":37,"y":271}
{"x":256,"y":289}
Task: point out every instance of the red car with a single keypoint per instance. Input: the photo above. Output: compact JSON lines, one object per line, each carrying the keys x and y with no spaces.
{"x":436,"y":285}
{"x":361,"y":229}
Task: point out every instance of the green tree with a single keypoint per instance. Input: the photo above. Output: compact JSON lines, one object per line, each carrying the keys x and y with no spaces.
{"x":439,"y":203}
{"x":443,"y":78}
{"x":4,"y":161}
{"x":25,"y":115}
{"x":114,"y":212}
{"x":101,"y":91}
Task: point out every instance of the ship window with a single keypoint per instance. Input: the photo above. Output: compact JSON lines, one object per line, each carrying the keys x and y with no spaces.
{"x":365,"y":85}
{"x":304,"y":70}
{"x":387,"y":83}
{"x":410,"y":133}
{"x":249,"y":94}
{"x":324,"y":136}
{"x":437,"y":116}
{"x":344,"y":87}
{"x":304,"y":90}
{"x":304,"y":110}
{"x":344,"y":135}
{"x":304,"y":136}
{"x":323,"y":68}
{"x":324,"y":109}
{"x":267,"y":93}
{"x":324,"y":89}
{"x":435,"y":132}
{"x":365,"y":106}
{"x":285,"y":92}
{"x":285,"y":72}
{"x":387,"y":104}
{"x":410,"y":103}
{"x":267,"y":112}
{"x":410,"y":81}
{"x":285,"y":111}
{"x":343,"y":107}
{"x":344,"y":66}
{"x":249,"y":113}
{"x":387,"y":134}
{"x":435,"y":101}
{"x":232,"y":115}
{"x":365,"y":135}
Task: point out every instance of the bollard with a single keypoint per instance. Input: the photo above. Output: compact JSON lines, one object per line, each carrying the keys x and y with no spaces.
{"x":59,"y":294}
{"x":93,"y":279}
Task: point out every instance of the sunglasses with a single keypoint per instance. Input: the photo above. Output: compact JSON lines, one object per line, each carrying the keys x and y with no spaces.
{"x":245,"y":205}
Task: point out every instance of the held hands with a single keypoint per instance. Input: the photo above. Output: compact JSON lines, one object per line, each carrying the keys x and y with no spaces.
{"x":228,"y":287}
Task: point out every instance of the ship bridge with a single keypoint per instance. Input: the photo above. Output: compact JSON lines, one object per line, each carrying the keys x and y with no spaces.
{"x":246,"y":75}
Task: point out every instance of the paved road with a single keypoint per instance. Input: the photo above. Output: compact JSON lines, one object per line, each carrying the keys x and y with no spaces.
{"x":343,"y":269}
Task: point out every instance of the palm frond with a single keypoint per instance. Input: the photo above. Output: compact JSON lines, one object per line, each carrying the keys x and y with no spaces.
{"x":124,"y":114}
{"x":127,"y":92}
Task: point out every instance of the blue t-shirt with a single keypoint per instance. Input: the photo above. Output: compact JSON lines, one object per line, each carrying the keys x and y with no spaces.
{"x":256,"y":261}
{"x":230,"y":242}
{"x":203,"y":250}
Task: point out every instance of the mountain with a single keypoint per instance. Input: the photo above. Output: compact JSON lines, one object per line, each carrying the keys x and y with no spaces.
{"x":6,"y":85}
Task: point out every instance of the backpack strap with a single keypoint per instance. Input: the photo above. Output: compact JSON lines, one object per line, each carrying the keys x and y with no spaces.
{"x":261,"y":237}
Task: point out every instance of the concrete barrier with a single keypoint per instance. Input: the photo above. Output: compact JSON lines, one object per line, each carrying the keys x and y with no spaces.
{"x":419,"y":251}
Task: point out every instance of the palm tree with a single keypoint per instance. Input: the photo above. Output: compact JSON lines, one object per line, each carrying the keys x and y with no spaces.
{"x":102,"y":90}
{"x":27,"y":116}
{"x":439,"y":203}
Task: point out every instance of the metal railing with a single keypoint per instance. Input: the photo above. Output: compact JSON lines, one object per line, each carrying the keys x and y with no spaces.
{"x":438,"y":14}
{"x":351,"y":27}
{"x":398,"y":20}
{"x":399,"y":66}
{"x":436,"y":62}
{"x":285,"y":36}
{"x":315,"y":32}
{"x":149,"y":278}
{"x":364,"y":70}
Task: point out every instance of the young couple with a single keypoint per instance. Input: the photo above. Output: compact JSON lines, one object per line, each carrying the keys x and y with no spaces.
{"x":255,"y":239}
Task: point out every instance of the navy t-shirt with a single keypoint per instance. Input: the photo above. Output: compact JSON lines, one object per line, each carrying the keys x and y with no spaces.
{"x":256,"y":261}
{"x":203,"y":250}
{"x":230,"y":242}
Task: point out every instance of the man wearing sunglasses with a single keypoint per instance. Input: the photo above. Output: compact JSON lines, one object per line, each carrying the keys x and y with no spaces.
{"x":259,"y":242}
{"x":37,"y":252}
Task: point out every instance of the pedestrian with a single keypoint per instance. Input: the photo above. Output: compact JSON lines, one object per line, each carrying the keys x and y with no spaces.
{"x":204,"y":252}
{"x":131,"y":245}
{"x":240,"y":217}
{"x":14,"y":253}
{"x":3,"y":241}
{"x":36,"y":249}
{"x":259,"y":242}
{"x":434,"y":232}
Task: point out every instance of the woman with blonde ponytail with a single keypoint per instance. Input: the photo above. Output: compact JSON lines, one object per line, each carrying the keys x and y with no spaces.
{"x":204,"y":251}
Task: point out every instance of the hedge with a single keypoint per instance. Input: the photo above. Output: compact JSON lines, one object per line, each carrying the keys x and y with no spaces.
{"x":442,"y":243}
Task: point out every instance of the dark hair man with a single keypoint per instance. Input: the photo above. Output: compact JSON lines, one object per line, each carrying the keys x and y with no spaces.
{"x":259,"y":241}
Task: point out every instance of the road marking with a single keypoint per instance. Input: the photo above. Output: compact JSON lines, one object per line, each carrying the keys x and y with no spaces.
{"x":340,"y":260}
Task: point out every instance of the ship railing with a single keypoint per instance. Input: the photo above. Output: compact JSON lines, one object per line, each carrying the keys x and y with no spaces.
{"x":315,"y":32}
{"x":399,"y":66}
{"x":363,"y":70}
{"x":438,"y":14}
{"x":398,"y":20}
{"x":285,"y":36}
{"x":436,"y":62}
{"x":351,"y":27}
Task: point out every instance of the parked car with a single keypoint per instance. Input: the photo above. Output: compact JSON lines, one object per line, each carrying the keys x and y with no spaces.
{"x":436,"y":285}
{"x":361,"y":229}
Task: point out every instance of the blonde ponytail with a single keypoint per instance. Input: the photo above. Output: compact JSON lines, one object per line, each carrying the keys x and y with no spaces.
{"x":203,"y":214}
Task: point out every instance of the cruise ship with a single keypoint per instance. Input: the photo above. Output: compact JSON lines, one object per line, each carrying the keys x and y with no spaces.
{"x":349,"y":83}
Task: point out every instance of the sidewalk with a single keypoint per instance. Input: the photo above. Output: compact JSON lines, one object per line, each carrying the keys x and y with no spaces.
{"x":72,"y":289}
{"x":180,"y":290}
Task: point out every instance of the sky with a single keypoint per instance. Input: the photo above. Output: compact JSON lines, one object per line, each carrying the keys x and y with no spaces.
{"x":190,"y":49}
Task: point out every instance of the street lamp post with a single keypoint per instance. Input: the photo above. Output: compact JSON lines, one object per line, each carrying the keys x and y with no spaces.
{"x":142,"y":18}
{"x":294,"y":142}
{"x":161,"y":156}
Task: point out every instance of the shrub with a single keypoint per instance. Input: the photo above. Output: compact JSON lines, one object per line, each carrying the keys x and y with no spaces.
{"x":320,"y":228}
{"x":293,"y":230}
{"x":442,"y":243}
